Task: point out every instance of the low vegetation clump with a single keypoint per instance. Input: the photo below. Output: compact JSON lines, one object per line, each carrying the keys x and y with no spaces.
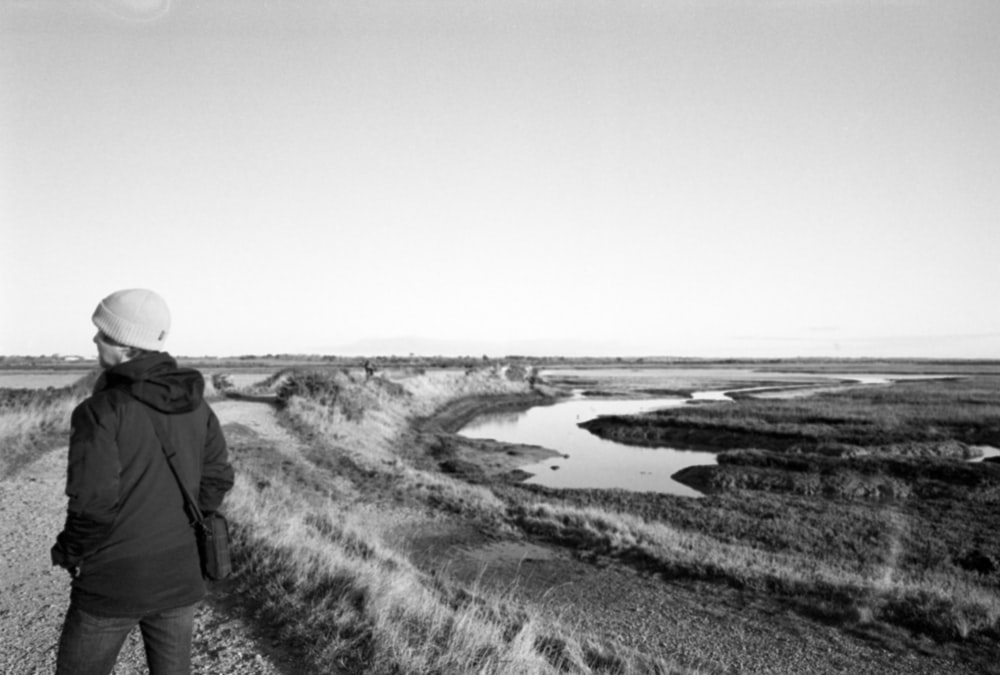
{"x":221,"y":382}
{"x":877,"y":476}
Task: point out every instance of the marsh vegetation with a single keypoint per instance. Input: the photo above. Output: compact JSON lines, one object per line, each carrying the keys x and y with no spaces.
{"x":854,"y":508}
{"x":862,"y":499}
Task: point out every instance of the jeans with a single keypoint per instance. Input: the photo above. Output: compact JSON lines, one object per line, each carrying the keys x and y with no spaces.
{"x":89,"y":644}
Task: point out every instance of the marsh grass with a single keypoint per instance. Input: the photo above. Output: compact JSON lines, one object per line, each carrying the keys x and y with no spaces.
{"x":842,"y":560}
{"x":367,"y":439}
{"x":916,"y":412}
{"x":857,"y":503}
{"x":27,"y":430}
{"x":348,"y":601}
{"x":320,"y":531}
{"x":326,"y":569}
{"x":946,"y":603}
{"x":314,"y":548}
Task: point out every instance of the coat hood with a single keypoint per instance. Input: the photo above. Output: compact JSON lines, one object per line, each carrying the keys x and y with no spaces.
{"x":156,"y":380}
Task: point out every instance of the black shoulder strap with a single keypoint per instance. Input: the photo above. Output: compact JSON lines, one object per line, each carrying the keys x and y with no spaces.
{"x":169,"y":454}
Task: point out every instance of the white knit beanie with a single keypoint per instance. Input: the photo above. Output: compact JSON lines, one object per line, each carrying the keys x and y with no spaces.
{"x":135,"y":317}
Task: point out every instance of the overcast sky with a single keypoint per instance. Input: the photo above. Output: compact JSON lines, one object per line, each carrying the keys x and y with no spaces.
{"x":672,"y":177}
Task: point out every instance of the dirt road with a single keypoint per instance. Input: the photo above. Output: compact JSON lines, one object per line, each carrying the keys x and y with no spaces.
{"x":35,"y":594}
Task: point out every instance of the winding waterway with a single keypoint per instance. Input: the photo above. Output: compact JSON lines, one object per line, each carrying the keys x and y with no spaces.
{"x":592,"y":462}
{"x":589,"y":461}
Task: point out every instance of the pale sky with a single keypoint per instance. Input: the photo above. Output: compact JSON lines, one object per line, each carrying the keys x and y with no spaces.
{"x":620,"y":177}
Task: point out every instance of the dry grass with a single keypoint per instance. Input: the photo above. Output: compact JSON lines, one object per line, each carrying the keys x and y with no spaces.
{"x":320,"y":559}
{"x":946,"y":602}
{"x":328,"y":567}
{"x":31,"y":422}
{"x":370,"y":440}
{"x":35,"y":420}
{"x":316,"y":557}
{"x":352,"y":601}
{"x":412,"y":623}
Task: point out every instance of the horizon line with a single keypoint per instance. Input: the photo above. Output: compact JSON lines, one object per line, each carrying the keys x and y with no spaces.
{"x":318,"y":356}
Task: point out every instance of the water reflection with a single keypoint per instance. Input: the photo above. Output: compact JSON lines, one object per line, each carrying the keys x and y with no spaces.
{"x":988,"y":451}
{"x":592,"y":462}
{"x":500,"y":418}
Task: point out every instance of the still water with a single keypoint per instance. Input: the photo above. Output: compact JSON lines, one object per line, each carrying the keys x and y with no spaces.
{"x":592,"y":462}
{"x":39,"y":379}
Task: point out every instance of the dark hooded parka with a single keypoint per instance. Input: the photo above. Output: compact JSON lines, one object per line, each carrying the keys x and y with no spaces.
{"x":127,"y":529}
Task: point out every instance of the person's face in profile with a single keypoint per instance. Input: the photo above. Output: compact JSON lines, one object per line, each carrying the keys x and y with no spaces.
{"x":109,"y":352}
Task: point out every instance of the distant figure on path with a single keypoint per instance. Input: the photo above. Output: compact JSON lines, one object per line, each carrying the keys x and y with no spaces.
{"x":128,"y":542}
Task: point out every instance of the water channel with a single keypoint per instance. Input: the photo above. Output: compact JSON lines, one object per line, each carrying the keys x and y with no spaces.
{"x":591,"y":462}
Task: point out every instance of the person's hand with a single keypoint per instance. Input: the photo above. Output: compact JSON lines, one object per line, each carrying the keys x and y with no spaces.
{"x":59,"y":558}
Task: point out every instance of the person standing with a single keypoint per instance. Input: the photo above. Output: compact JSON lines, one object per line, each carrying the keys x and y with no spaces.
{"x":128,"y":542}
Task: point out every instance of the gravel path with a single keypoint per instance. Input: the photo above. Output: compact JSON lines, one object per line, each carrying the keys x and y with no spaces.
{"x":35,"y":594}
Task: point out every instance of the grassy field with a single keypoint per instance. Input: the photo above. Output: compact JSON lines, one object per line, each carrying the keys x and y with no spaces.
{"x":854,"y":507}
{"x":861,"y":500}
